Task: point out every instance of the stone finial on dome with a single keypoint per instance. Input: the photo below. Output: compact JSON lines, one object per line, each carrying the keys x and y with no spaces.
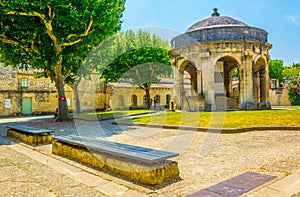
{"x":216,"y":13}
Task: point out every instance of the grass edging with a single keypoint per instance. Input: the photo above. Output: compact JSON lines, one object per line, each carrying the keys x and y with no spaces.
{"x":117,"y":117}
{"x":221,"y":130}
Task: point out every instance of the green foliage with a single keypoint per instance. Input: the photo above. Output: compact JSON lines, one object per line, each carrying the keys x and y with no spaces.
{"x":128,"y":49}
{"x":55,"y":35}
{"x":139,"y":57}
{"x":235,"y":74}
{"x":294,"y":90}
{"x":291,"y":72}
{"x":275,"y":69}
{"x":142,"y":65}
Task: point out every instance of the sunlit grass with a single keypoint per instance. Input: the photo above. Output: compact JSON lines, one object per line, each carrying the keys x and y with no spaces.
{"x":234,"y":119}
{"x":108,"y":114}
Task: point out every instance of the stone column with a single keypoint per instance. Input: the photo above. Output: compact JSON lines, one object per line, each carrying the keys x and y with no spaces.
{"x":178,"y":87}
{"x":208,"y":85}
{"x":255,"y":86}
{"x":246,"y":85}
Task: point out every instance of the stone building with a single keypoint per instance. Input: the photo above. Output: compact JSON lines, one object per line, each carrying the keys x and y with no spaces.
{"x":125,"y":96}
{"x":210,"y":51}
{"x":21,"y":93}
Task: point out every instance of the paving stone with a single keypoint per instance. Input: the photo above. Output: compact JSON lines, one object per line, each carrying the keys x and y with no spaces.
{"x":290,"y":184}
{"x":267,"y":192}
{"x":238,"y":185}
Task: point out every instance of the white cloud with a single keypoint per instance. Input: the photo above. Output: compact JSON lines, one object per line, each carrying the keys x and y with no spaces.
{"x":293,"y":19}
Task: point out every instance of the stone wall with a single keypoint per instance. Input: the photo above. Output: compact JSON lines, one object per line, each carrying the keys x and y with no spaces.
{"x":122,"y":96}
{"x":41,"y":91}
{"x":279,"y":97}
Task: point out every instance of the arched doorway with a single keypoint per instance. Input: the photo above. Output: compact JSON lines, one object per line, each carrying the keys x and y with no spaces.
{"x":227,"y":83}
{"x":260,"y":83}
{"x":190,"y":73}
{"x":168,"y":100}
{"x":134,"y":100}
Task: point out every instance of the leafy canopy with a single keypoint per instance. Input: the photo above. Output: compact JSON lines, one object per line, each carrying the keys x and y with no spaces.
{"x":134,"y":49}
{"x":275,"y":69}
{"x":40,"y":32}
{"x":55,"y":35}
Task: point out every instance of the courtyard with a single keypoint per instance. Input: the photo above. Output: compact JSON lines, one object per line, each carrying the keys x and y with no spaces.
{"x":205,"y":158}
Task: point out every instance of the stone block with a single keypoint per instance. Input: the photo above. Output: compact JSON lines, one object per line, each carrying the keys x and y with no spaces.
{"x":30,"y":138}
{"x":147,"y":174}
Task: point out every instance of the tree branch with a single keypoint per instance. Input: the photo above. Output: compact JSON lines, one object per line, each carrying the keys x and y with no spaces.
{"x":13,"y":42}
{"x":48,"y":24}
{"x":71,"y":43}
{"x":42,"y":16}
{"x":79,"y":37}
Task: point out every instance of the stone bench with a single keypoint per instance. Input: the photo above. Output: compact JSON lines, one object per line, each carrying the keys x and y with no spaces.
{"x":142,"y":165}
{"x":30,"y":135}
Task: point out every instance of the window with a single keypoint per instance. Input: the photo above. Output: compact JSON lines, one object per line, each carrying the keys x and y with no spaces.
{"x":157,"y":99}
{"x":168,"y":99}
{"x":134,"y":100}
{"x":24,"y":82}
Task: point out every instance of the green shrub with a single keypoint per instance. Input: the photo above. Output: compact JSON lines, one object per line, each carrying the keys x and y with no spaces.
{"x":294,"y":91}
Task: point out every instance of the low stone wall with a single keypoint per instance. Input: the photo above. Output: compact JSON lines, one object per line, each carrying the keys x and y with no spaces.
{"x":152,"y":175}
{"x":30,"y":138}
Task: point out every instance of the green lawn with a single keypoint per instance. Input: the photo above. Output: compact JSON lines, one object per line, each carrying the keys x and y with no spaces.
{"x":108,"y":114}
{"x":234,"y":119}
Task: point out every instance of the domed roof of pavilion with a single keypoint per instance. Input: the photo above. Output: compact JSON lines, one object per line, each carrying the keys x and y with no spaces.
{"x":218,"y":29}
{"x":216,"y":21}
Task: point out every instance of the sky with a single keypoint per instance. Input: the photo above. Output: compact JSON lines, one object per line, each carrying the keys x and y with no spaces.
{"x":281,"y":19}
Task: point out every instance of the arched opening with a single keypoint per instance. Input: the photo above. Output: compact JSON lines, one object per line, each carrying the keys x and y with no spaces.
{"x":156,"y":100}
{"x":191,"y":87}
{"x":260,"y":82}
{"x":190,"y":74}
{"x":134,"y":100}
{"x":168,"y":100}
{"x":227,"y":83}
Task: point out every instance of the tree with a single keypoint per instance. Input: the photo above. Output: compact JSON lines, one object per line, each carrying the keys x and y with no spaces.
{"x":55,"y":35}
{"x":275,"y":69}
{"x":290,"y":72}
{"x":144,"y":58}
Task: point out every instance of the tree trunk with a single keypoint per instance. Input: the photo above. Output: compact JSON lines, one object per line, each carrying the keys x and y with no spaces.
{"x":147,"y":90}
{"x":63,"y":113}
{"x":76,"y":97}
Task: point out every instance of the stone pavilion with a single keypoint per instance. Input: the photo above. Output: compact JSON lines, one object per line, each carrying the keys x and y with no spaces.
{"x":209,"y":52}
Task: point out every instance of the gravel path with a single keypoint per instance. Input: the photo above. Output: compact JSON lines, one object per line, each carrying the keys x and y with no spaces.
{"x":205,"y":159}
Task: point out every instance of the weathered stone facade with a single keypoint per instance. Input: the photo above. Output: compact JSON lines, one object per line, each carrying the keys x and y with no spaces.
{"x":126,"y":96}
{"x":279,"y":97}
{"x":210,"y":51}
{"x":21,"y":93}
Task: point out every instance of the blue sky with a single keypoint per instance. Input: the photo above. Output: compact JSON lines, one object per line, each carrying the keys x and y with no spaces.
{"x":281,"y":19}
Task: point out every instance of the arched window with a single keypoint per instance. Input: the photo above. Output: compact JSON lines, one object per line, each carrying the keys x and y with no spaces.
{"x":168,"y":99}
{"x":134,"y":100}
{"x":157,"y":99}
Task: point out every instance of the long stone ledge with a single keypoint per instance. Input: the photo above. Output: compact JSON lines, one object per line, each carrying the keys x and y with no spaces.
{"x":32,"y":139}
{"x":146,"y":174}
